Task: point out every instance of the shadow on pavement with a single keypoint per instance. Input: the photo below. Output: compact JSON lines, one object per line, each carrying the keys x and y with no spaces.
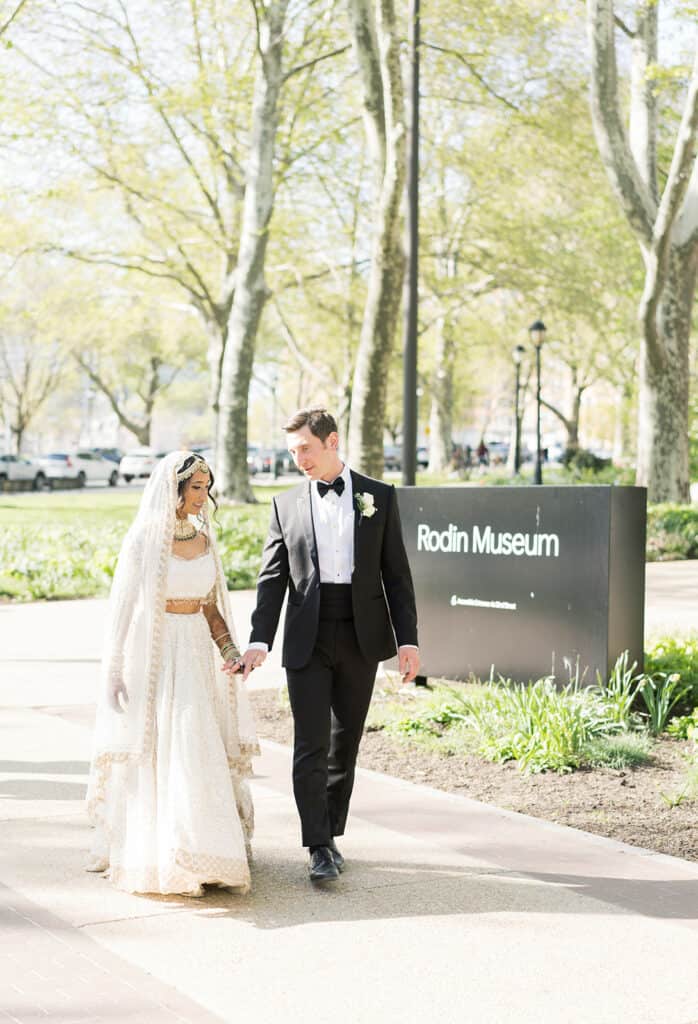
{"x":283,"y":897}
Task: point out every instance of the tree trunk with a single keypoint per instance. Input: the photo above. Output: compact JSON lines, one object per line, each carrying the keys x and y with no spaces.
{"x":620,"y":423}
{"x":441,"y":415}
{"x":666,"y":227}
{"x":18,"y":430}
{"x":571,"y":422}
{"x":250,"y":287}
{"x":376,"y":43}
{"x":662,"y":464}
{"x":217,"y":334}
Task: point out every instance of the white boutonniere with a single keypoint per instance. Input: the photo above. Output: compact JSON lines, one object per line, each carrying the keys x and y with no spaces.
{"x":365,"y":505}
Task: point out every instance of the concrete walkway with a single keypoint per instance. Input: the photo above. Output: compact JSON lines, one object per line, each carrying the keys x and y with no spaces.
{"x":450,"y":910}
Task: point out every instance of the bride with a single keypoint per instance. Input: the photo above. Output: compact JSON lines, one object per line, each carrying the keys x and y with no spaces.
{"x":174,"y":737}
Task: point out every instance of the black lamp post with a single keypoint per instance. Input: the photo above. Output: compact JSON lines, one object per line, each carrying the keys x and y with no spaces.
{"x":537,"y":333}
{"x":410,"y":396}
{"x":517,"y":356}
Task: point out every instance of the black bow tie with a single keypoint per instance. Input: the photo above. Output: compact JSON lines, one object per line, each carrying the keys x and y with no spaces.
{"x":337,"y":486}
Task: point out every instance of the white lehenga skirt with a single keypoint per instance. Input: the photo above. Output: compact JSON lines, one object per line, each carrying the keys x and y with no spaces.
{"x":186,"y":818}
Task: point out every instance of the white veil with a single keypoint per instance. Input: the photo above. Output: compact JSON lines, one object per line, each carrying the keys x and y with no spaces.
{"x":133,"y":642}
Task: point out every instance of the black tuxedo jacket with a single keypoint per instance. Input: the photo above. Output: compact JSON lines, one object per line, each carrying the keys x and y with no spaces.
{"x":382,"y":591}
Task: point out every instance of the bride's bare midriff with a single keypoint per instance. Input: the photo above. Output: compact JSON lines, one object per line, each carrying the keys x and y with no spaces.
{"x":183,"y":607}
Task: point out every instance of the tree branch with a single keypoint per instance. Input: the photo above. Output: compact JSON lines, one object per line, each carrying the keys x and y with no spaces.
{"x":316,"y":60}
{"x":6,"y":24}
{"x":611,"y":136}
{"x":131,"y":425}
{"x":657,"y":259}
{"x":560,"y":415}
{"x":474,"y":72}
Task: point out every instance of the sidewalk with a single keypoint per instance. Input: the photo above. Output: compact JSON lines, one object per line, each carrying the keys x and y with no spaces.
{"x":450,"y":910}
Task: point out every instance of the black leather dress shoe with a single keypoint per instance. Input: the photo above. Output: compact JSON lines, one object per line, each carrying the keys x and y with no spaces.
{"x":336,"y":856}
{"x":322,"y":865}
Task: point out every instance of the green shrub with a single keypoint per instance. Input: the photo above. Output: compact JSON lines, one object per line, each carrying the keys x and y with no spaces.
{"x":619,"y":693}
{"x":582,"y":459}
{"x":77,"y":559}
{"x":538,"y":725}
{"x":672,"y":532}
{"x":660,"y":694}
{"x":671,"y":655}
{"x":684,"y":727}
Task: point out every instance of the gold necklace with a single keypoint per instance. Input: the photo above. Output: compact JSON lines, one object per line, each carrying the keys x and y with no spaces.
{"x":184,"y":530}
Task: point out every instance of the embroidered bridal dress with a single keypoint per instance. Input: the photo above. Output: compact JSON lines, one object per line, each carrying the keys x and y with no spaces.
{"x":168,"y":794}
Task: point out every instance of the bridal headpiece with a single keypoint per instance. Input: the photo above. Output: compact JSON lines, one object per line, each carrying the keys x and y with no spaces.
{"x":192,"y":464}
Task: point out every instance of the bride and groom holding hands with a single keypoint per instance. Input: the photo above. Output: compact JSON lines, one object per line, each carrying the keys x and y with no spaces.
{"x":174,"y":738}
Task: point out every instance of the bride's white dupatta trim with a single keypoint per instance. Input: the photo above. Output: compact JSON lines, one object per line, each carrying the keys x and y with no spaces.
{"x":133,"y":645}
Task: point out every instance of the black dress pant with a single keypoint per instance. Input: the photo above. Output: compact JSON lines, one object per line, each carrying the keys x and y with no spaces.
{"x":329,"y":699}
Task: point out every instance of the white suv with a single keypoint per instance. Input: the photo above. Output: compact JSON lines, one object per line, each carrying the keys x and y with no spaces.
{"x":15,"y":469}
{"x":140,"y":462}
{"x":82,"y":466}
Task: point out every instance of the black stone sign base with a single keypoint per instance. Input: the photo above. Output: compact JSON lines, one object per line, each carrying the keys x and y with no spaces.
{"x":525,"y":582}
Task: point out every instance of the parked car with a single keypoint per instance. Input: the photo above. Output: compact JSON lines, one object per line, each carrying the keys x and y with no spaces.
{"x":392,"y":457}
{"x":139,"y":463}
{"x":113,"y":454}
{"x":274,"y":460}
{"x":16,"y":468}
{"x":83,"y":466}
{"x":422,"y":457}
{"x":209,"y":455}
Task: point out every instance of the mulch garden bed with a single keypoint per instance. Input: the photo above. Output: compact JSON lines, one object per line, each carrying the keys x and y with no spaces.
{"x":625,"y":805}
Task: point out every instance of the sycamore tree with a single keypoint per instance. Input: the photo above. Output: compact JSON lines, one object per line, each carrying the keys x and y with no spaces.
{"x":516,"y":221}
{"x":376,"y":38}
{"x":157,"y":125}
{"x":32,"y":361}
{"x":647,"y":136}
{"x":131,"y":345}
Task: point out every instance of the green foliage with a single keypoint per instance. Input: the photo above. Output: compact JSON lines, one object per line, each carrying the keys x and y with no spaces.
{"x":618,"y":751}
{"x":240,"y":543}
{"x":618,"y":694}
{"x":76,"y":557}
{"x":671,"y":655}
{"x":672,"y":532}
{"x":57,"y":562}
{"x":542,"y":727}
{"x":684,"y":727}
{"x":660,"y":694}
{"x":583,"y":459}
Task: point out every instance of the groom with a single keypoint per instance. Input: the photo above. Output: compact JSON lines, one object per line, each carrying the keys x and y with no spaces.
{"x":335,"y":545}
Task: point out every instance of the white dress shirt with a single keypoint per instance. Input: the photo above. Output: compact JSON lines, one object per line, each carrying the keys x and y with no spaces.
{"x":333,"y":519}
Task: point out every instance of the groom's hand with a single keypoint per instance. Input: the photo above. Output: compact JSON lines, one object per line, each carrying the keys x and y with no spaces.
{"x":408,"y":661}
{"x":251,"y":659}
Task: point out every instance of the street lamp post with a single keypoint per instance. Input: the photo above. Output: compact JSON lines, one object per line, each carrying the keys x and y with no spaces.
{"x":410,"y":409}
{"x":537,"y":333}
{"x":517,"y":356}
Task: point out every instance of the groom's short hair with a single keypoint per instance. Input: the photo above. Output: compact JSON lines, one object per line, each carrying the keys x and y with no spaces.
{"x":319,"y":421}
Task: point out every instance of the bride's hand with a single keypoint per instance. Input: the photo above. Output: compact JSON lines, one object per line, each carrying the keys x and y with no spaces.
{"x":118,"y":690}
{"x":232,"y":666}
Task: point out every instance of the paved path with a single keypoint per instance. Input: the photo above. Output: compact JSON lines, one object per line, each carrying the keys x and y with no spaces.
{"x":450,"y":910}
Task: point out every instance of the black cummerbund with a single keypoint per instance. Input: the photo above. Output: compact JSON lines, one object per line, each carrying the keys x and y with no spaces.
{"x":335,"y":601}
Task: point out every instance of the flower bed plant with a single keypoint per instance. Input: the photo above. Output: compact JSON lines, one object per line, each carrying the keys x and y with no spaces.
{"x":543,"y":726}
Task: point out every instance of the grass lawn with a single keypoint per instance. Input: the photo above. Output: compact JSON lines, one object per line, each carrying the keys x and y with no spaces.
{"x":64,"y":544}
